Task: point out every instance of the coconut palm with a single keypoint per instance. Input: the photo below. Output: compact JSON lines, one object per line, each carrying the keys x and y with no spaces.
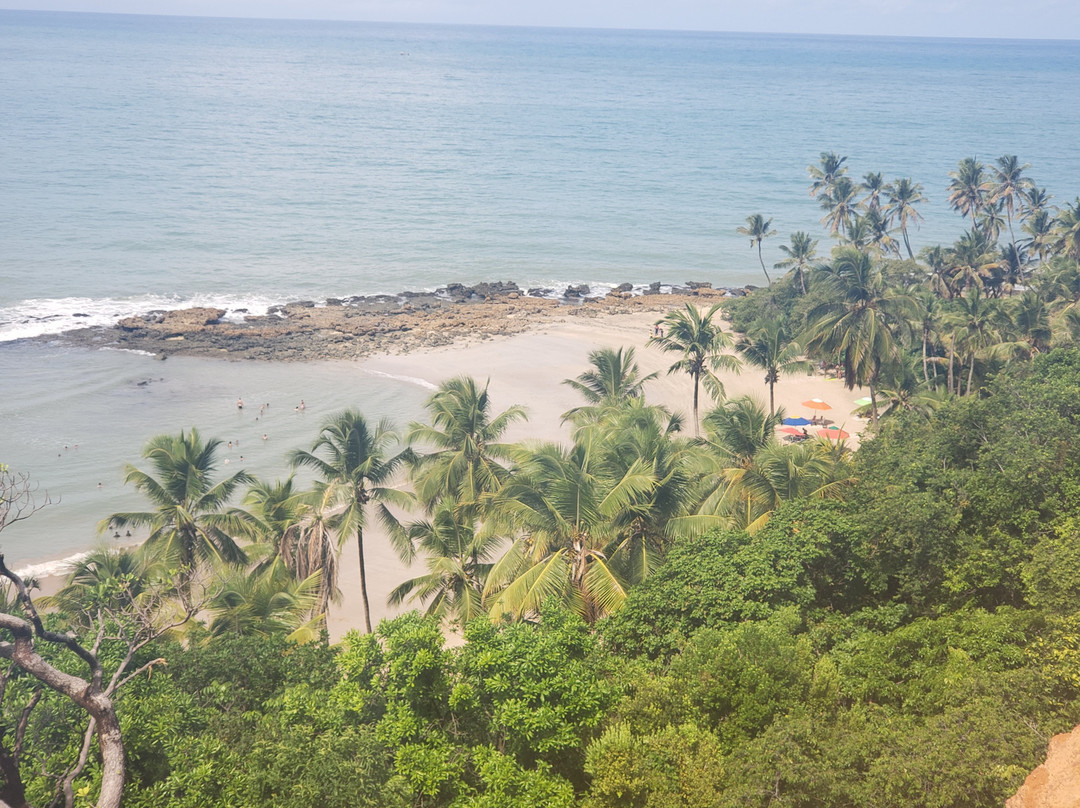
{"x":266,"y":603}
{"x":758,"y":228}
{"x":295,"y":524}
{"x":903,"y":195}
{"x":856,"y":319}
{"x":968,"y":188}
{"x":1029,"y":321}
{"x":701,"y":343}
{"x":738,"y":429}
{"x":614,"y":378}
{"x":458,"y":558}
{"x":773,"y":351}
{"x":940,"y":280}
{"x":825,"y":173}
{"x":564,"y":505}
{"x":991,"y":222}
{"x":880,"y":236}
{"x":1067,"y":230}
{"x":1039,"y":228}
{"x":113,"y":578}
{"x":192,"y":522}
{"x":467,"y":457}
{"x":353,"y":461}
{"x":875,"y":187}
{"x":802,"y":251}
{"x":1009,"y":187}
{"x":633,"y":435}
{"x":979,"y":320}
{"x":841,"y":205}
{"x":928,"y":311}
{"x":972,"y":259}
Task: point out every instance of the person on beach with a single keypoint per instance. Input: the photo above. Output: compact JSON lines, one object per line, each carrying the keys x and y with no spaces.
{"x":239,"y":403}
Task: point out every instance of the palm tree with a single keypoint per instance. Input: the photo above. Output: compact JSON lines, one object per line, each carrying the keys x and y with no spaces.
{"x":841,"y":205}
{"x":972,"y":260}
{"x":875,"y":186}
{"x":113,"y":578}
{"x":738,"y":429}
{"x":927,"y":320}
{"x":771,"y":350}
{"x":968,"y":188}
{"x":855,"y":322}
{"x":296,"y":525}
{"x":758,"y":229}
{"x":978,"y":319}
{"x":614,"y":378}
{"x":1010,"y":187}
{"x":1067,"y":230}
{"x":701,"y":342}
{"x":1039,"y":229}
{"x":192,"y":522}
{"x":903,"y":196}
{"x":564,"y":505}
{"x":802,"y":251}
{"x":825,"y":173}
{"x":266,"y":603}
{"x":940,"y":280}
{"x":879,"y":236}
{"x":991,"y":223}
{"x":458,"y":558}
{"x":352,"y":460}
{"x":466,"y":461}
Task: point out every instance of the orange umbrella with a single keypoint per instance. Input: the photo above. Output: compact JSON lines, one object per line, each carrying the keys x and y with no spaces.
{"x":817,"y":404}
{"x":790,"y":430}
{"x":833,"y":433}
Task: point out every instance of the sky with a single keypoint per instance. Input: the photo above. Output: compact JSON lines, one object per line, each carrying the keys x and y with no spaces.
{"x":1028,"y":19}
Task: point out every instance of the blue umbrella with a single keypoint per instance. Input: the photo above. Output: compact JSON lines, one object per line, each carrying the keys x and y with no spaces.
{"x":796,"y":421}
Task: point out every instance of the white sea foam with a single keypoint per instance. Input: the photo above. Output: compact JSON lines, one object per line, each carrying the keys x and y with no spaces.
{"x":47,"y":569}
{"x":46,"y":316}
{"x":407,"y":379}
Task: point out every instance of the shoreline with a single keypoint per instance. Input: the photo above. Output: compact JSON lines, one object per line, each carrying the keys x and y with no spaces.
{"x":527,"y":366}
{"x":353,"y":328}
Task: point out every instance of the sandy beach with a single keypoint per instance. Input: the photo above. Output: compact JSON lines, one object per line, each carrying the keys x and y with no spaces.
{"x":525,"y":359}
{"x":528,"y":369}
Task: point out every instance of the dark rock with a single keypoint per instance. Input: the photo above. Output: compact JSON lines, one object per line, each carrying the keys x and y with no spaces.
{"x":737,"y":292}
{"x":302,"y":304}
{"x":239,"y":311}
{"x":79,"y":314}
{"x":333,"y":301}
{"x":278,"y":310}
{"x":624,"y":287}
{"x":486,"y":290}
{"x":699,"y":285}
{"x":538,"y":292}
{"x":579,"y":290}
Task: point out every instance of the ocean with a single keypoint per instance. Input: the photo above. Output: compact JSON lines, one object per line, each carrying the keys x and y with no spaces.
{"x":160,"y":162}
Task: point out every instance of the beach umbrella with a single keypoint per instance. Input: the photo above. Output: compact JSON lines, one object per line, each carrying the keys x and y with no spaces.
{"x":817,"y":404}
{"x":863,"y":402}
{"x":833,"y":433}
{"x":796,"y":421}
{"x":790,"y":430}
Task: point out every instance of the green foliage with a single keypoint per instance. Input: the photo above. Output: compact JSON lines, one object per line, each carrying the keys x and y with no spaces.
{"x":677,"y":767}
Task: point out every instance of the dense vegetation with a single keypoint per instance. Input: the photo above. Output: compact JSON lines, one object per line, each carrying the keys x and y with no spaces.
{"x":648,"y":618}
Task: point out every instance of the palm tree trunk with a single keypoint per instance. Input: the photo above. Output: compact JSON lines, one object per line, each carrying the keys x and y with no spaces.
{"x":762,"y":260}
{"x":949,"y":380}
{"x":925,"y":371}
{"x":873,"y":405}
{"x":903,"y":232}
{"x":697,"y":428}
{"x":363,"y":579}
{"x":802,"y":280}
{"x":971,"y":374}
{"x":772,"y":405}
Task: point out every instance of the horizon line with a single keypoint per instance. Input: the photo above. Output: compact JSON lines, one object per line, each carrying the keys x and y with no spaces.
{"x":524,"y":26}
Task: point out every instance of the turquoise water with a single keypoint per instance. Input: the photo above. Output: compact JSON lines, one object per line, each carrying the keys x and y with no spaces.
{"x":153,"y":162}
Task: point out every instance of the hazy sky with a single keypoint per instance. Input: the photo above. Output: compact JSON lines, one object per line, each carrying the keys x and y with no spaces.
{"x":1047,"y":19}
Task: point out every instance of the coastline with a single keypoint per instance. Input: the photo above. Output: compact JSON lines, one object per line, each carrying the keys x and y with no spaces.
{"x":525,"y":359}
{"x":355,"y":327}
